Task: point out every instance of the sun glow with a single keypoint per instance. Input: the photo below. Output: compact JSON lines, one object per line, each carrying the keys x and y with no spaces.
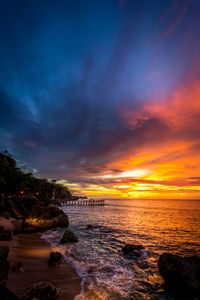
{"x":129,"y":173}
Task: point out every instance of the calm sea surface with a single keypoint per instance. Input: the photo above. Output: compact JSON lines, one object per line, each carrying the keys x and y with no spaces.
{"x":160,"y":226}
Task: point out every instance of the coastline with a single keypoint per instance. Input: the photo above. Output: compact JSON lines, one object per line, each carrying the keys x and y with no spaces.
{"x":33,"y":252}
{"x":105,"y":270}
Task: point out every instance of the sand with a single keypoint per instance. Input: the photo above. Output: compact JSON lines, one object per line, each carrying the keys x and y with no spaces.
{"x":33,"y":252}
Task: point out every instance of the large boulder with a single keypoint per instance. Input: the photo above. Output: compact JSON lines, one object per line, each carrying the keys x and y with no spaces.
{"x":41,"y":291}
{"x":54,"y":258}
{"x":181,"y":274}
{"x":4,"y":264}
{"x":5,"y":294}
{"x":132,"y":250}
{"x":63,"y":220}
{"x":5,"y":235}
{"x":43,"y":218}
{"x":68,"y":237}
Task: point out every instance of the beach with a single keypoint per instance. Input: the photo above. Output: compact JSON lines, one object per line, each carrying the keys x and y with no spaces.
{"x":33,"y":252}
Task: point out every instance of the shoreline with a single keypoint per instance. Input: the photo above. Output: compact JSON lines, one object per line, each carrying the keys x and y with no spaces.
{"x":33,"y":252}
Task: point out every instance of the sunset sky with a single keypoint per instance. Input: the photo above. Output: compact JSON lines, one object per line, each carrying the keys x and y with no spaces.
{"x":103,"y":95}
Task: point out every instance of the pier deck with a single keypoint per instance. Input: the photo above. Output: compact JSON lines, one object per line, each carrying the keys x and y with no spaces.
{"x":90,"y":202}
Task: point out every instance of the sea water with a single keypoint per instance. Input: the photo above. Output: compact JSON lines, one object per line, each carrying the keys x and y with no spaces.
{"x":159,"y":225}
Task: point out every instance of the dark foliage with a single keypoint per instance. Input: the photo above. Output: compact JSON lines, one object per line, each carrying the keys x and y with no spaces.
{"x":13,"y":178}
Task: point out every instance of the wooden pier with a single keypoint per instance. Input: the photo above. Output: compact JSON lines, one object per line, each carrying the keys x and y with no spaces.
{"x":89,"y":202}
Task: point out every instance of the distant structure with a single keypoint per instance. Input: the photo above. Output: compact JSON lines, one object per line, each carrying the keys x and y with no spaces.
{"x":81,"y":201}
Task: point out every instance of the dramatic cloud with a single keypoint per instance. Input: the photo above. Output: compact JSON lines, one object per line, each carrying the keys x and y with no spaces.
{"x":103,"y":96}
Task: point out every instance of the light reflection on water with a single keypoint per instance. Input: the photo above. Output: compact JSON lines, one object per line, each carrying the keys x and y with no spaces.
{"x":167,"y":225}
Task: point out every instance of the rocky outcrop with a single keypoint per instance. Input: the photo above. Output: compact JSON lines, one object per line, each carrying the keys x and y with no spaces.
{"x":4,"y":264}
{"x":5,"y":235}
{"x":181,"y":274}
{"x":132,"y":250}
{"x":41,"y":291}
{"x":54,"y":258}
{"x":43,"y":218}
{"x":68,"y":237}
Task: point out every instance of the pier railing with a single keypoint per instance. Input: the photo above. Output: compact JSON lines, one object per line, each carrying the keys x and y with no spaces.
{"x":90,"y":202}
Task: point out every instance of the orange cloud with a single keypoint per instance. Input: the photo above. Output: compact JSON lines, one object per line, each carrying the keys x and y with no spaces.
{"x":170,"y":166}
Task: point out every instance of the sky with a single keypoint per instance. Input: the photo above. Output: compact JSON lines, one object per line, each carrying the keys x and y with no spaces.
{"x":103,"y":96}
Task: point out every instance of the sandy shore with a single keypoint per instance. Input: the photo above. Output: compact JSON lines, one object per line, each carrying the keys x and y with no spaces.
{"x":33,"y":252}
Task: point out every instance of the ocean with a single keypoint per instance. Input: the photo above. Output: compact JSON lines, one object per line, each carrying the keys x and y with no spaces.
{"x":159,"y":225}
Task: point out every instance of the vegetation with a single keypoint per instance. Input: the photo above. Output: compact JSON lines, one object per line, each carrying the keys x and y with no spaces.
{"x":13,"y":178}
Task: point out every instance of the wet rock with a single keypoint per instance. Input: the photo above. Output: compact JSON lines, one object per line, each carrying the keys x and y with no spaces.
{"x":137,"y":253}
{"x":41,"y":291}
{"x":132,"y":250}
{"x":54,"y":258}
{"x":89,"y":226}
{"x":5,"y":294}
{"x":53,"y":210}
{"x":92,"y":269}
{"x":5,"y":235}
{"x":68,"y":237}
{"x":106,"y":269}
{"x":43,"y":218}
{"x":63,"y":220}
{"x":181,"y":274}
{"x":4,"y":264}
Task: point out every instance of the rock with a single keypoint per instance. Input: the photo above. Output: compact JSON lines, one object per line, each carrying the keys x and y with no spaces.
{"x":43,"y":218}
{"x":4,"y":264}
{"x":63,"y":220}
{"x":92,"y":269}
{"x":41,"y":291}
{"x":54,"y":258}
{"x":53,"y":210}
{"x":68,"y":237}
{"x":137,"y":253}
{"x":181,"y":274}
{"x":5,"y":294}
{"x":106,"y":269}
{"x":132,"y":250}
{"x":5,"y":235}
{"x":90,"y":226}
